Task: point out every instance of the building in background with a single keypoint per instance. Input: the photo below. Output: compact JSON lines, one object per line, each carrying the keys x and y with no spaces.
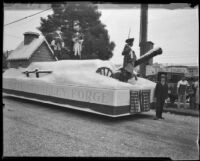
{"x":188,"y":71}
{"x":177,"y":69}
{"x":194,"y":71}
{"x":154,"y":69}
{"x":34,"y":48}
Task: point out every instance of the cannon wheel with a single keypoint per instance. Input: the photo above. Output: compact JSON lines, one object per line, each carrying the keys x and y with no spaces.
{"x":105,"y":71}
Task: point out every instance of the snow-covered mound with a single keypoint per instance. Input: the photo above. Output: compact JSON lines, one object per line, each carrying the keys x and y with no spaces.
{"x":14,"y":73}
{"x":72,"y":65}
{"x":79,"y":73}
{"x":141,"y":83}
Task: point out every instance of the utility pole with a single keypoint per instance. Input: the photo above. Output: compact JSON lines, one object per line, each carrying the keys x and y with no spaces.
{"x":145,"y":45}
{"x":143,"y":23}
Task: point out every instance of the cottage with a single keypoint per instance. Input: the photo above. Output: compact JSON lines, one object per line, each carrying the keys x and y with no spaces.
{"x":34,"y":48}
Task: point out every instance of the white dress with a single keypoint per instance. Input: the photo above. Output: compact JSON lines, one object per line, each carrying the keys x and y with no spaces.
{"x":77,"y":46}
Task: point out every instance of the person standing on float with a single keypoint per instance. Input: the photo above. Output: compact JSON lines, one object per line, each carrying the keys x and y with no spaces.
{"x":129,"y":60}
{"x":57,"y":43}
{"x":78,"y":41}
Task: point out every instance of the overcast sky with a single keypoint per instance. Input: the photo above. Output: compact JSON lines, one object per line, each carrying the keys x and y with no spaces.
{"x":175,"y":31}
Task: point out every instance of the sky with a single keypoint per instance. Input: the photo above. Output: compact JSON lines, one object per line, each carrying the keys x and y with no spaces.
{"x":175,"y":31}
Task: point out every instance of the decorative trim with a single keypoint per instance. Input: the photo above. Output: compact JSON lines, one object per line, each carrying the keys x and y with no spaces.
{"x":104,"y":109}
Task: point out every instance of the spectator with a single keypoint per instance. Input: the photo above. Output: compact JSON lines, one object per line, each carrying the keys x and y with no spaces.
{"x":181,"y":90}
{"x":161,"y":94}
{"x":191,"y":93}
{"x":196,"y":85}
{"x":172,"y":93}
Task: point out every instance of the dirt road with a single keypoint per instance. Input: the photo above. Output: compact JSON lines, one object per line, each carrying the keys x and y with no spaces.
{"x":36,"y":129}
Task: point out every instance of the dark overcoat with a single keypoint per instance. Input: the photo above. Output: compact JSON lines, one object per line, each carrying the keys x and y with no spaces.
{"x":161,"y":91}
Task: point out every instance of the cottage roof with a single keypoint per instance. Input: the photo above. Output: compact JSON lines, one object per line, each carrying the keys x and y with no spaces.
{"x":26,"y":51}
{"x":32,"y":33}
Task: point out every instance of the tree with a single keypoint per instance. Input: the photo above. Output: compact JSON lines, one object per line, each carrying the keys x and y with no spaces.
{"x":96,"y":42}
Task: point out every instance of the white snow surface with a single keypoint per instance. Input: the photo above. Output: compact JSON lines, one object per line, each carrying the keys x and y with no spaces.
{"x":26,"y":51}
{"x":78,"y":73}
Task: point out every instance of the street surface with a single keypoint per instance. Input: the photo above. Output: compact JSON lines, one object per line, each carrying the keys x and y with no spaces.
{"x":36,"y":129}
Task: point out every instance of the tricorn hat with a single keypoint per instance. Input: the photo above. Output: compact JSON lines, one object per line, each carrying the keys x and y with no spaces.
{"x":129,"y":40}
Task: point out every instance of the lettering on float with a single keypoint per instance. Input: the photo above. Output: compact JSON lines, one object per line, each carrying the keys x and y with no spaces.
{"x":86,"y":95}
{"x":79,"y":94}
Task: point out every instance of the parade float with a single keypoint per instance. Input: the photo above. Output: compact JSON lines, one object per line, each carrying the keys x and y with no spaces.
{"x":87,"y":85}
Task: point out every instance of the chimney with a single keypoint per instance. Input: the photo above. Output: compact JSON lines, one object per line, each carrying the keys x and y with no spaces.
{"x":29,"y":36}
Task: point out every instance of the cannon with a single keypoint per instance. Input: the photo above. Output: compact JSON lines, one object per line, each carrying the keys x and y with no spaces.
{"x":122,"y":74}
{"x":150,"y":54}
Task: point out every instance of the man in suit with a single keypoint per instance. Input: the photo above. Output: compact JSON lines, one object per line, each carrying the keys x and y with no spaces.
{"x":161,"y":94}
{"x":129,"y":60}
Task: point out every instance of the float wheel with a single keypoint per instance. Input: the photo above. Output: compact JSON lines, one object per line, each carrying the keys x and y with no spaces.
{"x":105,"y":71}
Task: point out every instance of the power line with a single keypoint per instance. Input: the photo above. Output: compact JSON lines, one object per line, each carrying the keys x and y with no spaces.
{"x":26,"y":17}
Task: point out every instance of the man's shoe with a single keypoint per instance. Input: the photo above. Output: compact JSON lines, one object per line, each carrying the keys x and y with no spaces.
{"x":162,"y":118}
{"x":156,"y":118}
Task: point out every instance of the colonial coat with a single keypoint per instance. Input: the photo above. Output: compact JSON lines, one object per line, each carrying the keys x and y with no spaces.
{"x":129,"y":59}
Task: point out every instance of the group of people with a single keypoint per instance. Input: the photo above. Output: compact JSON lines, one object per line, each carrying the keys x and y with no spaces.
{"x":184,"y":89}
{"x":188,"y":89}
{"x":59,"y":46}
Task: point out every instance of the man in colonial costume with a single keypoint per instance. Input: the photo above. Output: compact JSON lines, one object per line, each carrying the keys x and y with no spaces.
{"x":57,"y":43}
{"x":129,"y":60}
{"x":78,"y":40}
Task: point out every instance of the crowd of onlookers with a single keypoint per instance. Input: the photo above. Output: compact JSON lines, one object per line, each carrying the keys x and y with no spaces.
{"x":183,"y":94}
{"x":188,"y":89}
{"x":185,"y":90}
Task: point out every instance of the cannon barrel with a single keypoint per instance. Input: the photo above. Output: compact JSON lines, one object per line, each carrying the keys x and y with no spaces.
{"x":150,"y":54}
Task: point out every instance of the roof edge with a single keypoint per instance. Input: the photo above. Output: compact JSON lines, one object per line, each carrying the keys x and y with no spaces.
{"x":50,"y":49}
